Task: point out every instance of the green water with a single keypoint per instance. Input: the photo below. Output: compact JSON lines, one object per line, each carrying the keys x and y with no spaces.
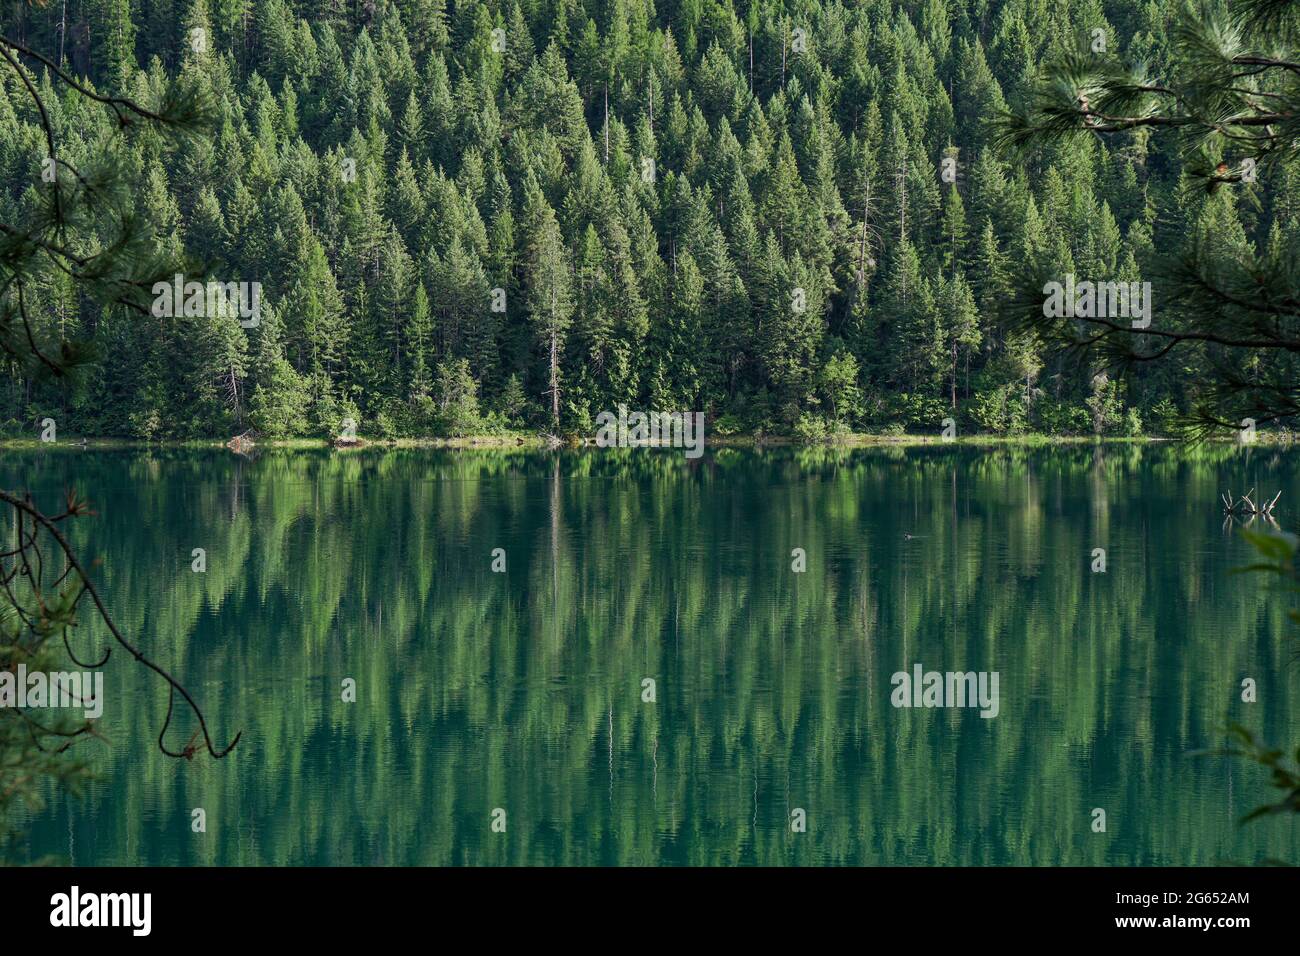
{"x":523,"y":690}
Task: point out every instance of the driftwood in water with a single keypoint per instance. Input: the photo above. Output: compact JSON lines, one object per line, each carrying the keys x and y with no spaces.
{"x":1246,"y":505}
{"x":242,"y":444}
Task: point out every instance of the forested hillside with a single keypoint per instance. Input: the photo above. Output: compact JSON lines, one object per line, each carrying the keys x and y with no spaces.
{"x":519,"y":213}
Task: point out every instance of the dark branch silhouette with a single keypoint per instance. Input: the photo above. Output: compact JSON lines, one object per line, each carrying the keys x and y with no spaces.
{"x":22,"y":568}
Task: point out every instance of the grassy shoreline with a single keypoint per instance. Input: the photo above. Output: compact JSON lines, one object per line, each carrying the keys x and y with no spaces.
{"x":536,"y":441}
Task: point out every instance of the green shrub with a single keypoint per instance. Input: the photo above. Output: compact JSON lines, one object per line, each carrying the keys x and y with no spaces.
{"x":811,"y":428}
{"x":1000,"y":410}
{"x":1062,"y":418}
{"x":728,"y":424}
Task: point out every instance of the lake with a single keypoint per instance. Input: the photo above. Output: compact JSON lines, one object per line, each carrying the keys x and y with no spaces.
{"x":519,"y":697}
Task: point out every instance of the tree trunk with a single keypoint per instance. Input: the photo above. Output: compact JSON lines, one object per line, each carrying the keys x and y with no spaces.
{"x":954,"y":374}
{"x":555,"y":366}
{"x":784,"y":36}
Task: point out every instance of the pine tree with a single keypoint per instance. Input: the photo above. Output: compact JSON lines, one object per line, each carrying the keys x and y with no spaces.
{"x":278,"y":404}
{"x":548,"y":290}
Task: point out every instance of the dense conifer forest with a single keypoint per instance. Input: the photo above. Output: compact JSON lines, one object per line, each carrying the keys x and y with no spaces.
{"x":475,"y":217}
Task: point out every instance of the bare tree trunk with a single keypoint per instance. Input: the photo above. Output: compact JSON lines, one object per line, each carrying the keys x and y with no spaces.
{"x":902,"y":205}
{"x":862,"y":251}
{"x":954,"y":373}
{"x":555,"y":366}
{"x":785,"y":32}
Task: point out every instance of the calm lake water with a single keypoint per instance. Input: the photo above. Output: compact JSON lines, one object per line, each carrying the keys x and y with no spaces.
{"x":523,"y":690}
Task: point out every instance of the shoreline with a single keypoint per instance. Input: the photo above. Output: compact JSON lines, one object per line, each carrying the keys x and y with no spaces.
{"x":540,"y":441}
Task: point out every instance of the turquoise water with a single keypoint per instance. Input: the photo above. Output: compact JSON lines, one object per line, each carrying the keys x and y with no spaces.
{"x":522,"y":691}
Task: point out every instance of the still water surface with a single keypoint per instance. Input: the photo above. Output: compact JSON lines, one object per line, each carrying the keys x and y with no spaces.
{"x":524,"y":690}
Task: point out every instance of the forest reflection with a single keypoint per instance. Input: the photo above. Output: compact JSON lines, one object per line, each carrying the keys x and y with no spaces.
{"x":523,"y":690}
